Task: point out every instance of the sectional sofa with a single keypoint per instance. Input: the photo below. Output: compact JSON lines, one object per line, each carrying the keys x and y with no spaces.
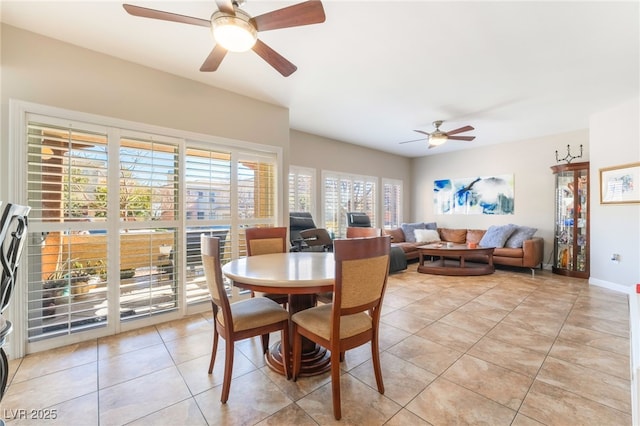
{"x":519,"y":248}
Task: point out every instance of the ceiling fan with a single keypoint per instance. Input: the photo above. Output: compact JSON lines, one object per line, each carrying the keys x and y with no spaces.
{"x":438,"y":137}
{"x":235,"y":30}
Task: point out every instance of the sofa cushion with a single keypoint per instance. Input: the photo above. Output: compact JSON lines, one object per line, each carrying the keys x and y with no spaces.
{"x":426,"y":235}
{"x":407,"y":247}
{"x":475,"y":235}
{"x":397,"y":236}
{"x":518,"y":237}
{"x":408,"y":229}
{"x":458,"y":236}
{"x":496,"y":235}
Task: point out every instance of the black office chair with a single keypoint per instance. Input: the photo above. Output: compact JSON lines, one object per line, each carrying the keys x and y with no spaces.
{"x":299,"y":221}
{"x":305,"y":236}
{"x":317,"y":238}
{"x":13,"y":230}
{"x":358,"y":220}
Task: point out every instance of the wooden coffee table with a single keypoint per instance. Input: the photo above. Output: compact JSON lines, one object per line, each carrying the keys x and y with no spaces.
{"x":448,"y":266}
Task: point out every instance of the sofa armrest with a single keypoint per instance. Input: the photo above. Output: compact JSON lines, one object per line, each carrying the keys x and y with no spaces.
{"x":533,"y":252}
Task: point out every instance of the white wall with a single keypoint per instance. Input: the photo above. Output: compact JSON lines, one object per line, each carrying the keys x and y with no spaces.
{"x":529,"y":161}
{"x":615,"y":140}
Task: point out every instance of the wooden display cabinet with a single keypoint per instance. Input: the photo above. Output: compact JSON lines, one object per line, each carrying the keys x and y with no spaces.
{"x":571,"y":228}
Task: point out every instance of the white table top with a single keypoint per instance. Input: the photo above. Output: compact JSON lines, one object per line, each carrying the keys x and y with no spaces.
{"x":298,"y":272}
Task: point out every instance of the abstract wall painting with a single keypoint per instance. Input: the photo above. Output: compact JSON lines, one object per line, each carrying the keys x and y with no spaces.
{"x":620,"y":184}
{"x":491,"y":195}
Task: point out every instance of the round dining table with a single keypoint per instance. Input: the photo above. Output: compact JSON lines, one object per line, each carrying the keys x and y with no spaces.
{"x":301,"y":275}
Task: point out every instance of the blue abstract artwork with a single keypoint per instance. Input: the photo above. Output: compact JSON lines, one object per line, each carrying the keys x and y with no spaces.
{"x":477,"y":195}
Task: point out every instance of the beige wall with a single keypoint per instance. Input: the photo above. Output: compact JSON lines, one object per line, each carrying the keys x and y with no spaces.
{"x":529,"y":161}
{"x":45,"y":71}
{"x":320,"y":153}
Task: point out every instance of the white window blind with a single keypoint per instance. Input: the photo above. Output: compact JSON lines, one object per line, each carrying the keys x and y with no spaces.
{"x":392,"y":203}
{"x":301,"y":189}
{"x":67,"y":175}
{"x":257,"y":194}
{"x":208,"y":185}
{"x":347,"y":193}
{"x":148,"y":210}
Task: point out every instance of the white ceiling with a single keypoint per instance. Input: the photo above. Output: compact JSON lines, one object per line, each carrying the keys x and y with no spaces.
{"x":376,"y":70}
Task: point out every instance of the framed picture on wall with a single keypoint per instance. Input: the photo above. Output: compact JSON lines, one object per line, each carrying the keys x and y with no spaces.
{"x":620,"y":184}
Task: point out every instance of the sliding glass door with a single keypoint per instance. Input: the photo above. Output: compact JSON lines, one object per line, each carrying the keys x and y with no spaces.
{"x":116,"y":221}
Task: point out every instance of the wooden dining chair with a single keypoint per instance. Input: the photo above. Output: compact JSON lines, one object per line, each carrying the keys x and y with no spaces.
{"x":352,"y":232}
{"x":266,"y":241}
{"x":239,"y":320}
{"x":353,"y":319}
{"x":357,"y":232}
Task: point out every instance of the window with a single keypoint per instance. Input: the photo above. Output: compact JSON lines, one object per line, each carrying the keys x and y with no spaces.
{"x":392,"y":203}
{"x":347,"y":193}
{"x":148,"y":221}
{"x":301,"y":189}
{"x":208,"y":210}
{"x":117,"y":216}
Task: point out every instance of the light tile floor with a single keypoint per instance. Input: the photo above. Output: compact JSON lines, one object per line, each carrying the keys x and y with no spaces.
{"x":503,"y":349}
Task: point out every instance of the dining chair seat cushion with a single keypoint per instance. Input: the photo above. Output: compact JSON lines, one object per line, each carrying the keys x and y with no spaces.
{"x":318,"y":321}
{"x":255,"y":312}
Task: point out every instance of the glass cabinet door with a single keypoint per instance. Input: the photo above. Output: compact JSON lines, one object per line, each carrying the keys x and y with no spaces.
{"x":571,"y":242}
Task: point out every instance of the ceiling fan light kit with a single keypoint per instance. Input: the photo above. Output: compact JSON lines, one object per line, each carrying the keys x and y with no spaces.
{"x":234,"y":33}
{"x":438,"y":137}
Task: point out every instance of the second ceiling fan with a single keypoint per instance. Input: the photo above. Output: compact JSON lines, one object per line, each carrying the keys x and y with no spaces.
{"x":231,"y":21}
{"x":438,"y":137}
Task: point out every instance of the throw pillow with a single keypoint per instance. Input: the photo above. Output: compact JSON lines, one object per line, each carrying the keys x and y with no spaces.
{"x":431,"y":225}
{"x":521,"y":234}
{"x":496,"y":235}
{"x":426,"y":235}
{"x":408,"y":229}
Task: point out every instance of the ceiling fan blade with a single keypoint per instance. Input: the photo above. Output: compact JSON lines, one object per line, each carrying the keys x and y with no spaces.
{"x":413,"y":140}
{"x":461,"y":138}
{"x":214,"y":59}
{"x":165,"y":16}
{"x":460,"y":130}
{"x":274,"y":59}
{"x":309,"y":12}
{"x":226,"y":6}
{"x":423,"y":132}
